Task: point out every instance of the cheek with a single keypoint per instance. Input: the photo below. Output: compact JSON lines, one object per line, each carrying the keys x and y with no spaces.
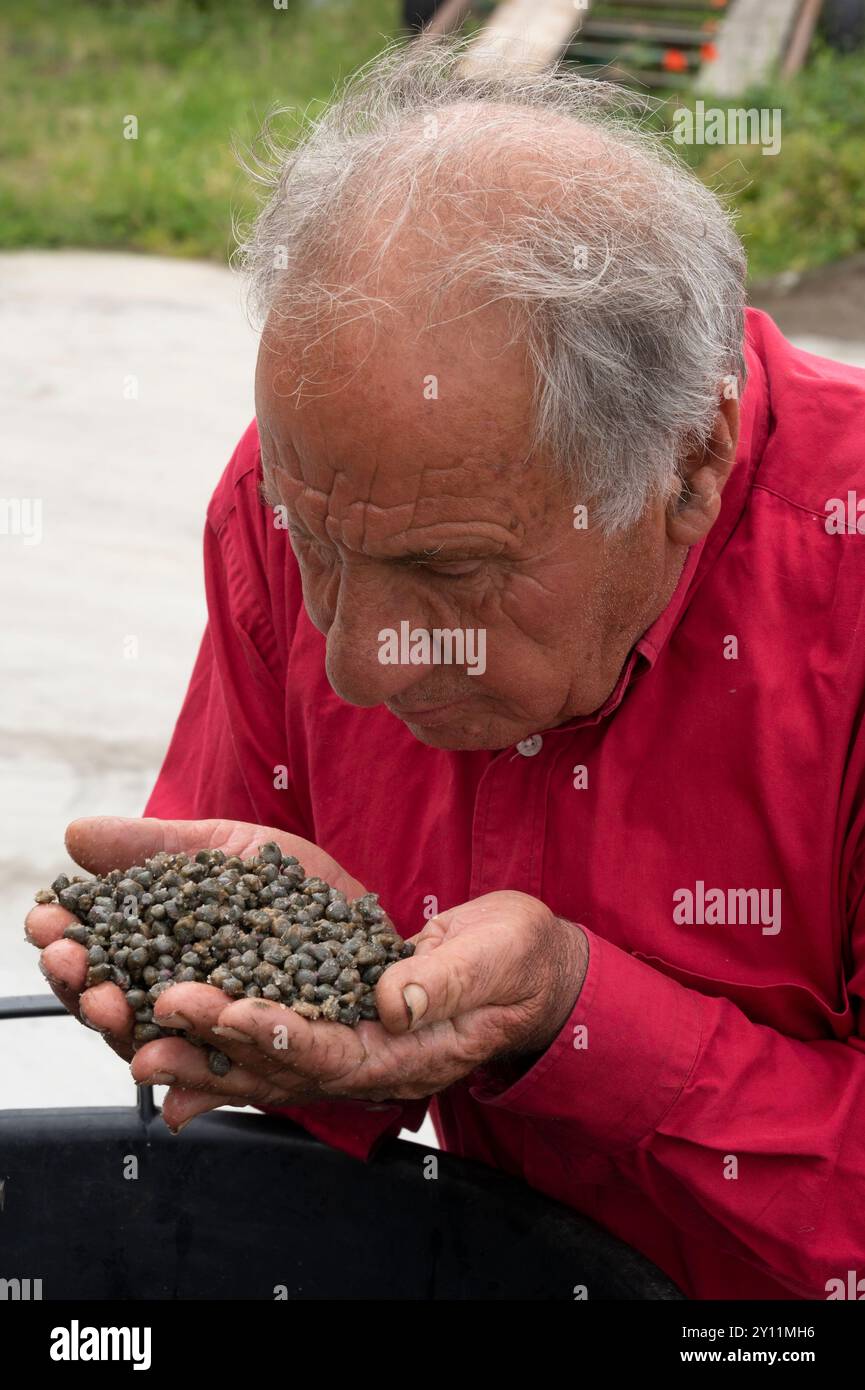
{"x":525,"y":655}
{"x":541,"y":614}
{"x":540,"y":629}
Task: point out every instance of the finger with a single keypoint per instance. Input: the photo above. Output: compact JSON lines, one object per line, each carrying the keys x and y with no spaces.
{"x":195,"y":1009}
{"x":180,"y":1106}
{"x":192,"y":1008}
{"x":175,"y":1062}
{"x":165,"y":1062}
{"x":336,"y":1061}
{"x":319,"y":1051}
{"x":68,"y":995}
{"x":45,"y":924}
{"x":431,"y":935}
{"x":455,"y":976}
{"x":100,"y":843}
{"x":104,"y":1008}
{"x":64,"y":964}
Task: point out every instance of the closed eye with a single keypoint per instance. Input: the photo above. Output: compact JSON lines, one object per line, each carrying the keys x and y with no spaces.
{"x":456,"y":569}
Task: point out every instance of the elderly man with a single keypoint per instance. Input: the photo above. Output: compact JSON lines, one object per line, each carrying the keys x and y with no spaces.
{"x":526,"y":610}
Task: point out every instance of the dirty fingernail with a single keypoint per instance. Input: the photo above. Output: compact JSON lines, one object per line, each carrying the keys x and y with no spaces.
{"x":160,"y":1078}
{"x":233,"y":1033}
{"x":416,"y":1002}
{"x":173,"y":1021}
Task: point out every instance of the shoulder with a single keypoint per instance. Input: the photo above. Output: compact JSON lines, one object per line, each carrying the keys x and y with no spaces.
{"x":816,"y":410}
{"x":239,"y":487}
{"x":258,"y":573}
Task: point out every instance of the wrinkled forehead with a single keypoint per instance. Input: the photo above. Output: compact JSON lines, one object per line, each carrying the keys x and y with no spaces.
{"x":393,"y":394}
{"x":381,"y":362}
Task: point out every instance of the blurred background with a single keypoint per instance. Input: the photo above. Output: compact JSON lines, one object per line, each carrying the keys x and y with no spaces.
{"x":127,"y":360}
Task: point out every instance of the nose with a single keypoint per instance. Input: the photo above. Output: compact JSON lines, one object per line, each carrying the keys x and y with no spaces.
{"x":367,"y":605}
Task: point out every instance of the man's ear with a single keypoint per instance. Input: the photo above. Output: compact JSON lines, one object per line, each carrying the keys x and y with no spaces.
{"x":704,"y":471}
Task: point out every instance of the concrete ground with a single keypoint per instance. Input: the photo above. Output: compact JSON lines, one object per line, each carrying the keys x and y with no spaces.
{"x":125,"y":382}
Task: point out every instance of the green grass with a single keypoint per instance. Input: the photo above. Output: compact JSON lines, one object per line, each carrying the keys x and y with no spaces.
{"x":199,"y":74}
{"x":195,"y":75}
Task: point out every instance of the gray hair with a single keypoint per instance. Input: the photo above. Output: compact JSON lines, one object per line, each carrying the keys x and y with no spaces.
{"x":626,"y":287}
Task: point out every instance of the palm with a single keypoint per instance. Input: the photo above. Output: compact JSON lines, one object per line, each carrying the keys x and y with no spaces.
{"x":103,"y":843}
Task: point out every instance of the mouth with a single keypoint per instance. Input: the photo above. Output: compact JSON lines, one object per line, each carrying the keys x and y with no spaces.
{"x":427,"y":718}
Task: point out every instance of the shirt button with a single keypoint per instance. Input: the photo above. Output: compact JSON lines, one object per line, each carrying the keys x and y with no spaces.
{"x":530,"y":746}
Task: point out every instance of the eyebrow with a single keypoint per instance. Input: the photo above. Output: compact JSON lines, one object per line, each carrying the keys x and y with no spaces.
{"x":446,"y":550}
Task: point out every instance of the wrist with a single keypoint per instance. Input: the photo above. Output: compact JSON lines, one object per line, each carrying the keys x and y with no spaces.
{"x":568,"y":972}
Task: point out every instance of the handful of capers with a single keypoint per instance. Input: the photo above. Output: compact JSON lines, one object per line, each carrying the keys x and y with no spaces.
{"x":257,"y":927}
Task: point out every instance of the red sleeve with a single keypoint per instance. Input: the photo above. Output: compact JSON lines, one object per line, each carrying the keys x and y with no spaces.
{"x":228,"y":757}
{"x":201,"y":775}
{"x":668,"y":1084}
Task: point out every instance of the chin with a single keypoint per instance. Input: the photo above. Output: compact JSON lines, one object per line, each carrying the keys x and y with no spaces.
{"x":465,"y":738}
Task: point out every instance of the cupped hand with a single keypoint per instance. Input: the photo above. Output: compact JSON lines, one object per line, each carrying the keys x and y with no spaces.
{"x":101,"y":843}
{"x":495,"y":977}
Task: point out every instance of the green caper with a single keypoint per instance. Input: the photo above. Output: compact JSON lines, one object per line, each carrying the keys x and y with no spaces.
{"x":257,"y":927}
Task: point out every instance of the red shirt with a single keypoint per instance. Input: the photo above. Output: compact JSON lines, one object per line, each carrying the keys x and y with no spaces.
{"x":716,"y":1118}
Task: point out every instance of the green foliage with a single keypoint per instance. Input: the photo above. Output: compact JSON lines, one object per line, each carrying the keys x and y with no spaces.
{"x":804,"y":206}
{"x":199,"y":74}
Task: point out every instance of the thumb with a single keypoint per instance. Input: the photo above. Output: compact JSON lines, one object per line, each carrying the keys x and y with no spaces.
{"x":451,"y":977}
{"x":100,"y":843}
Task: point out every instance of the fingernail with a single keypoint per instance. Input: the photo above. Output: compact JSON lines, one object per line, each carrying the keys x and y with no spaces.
{"x":183,"y":1123}
{"x":173,"y":1021}
{"x":160,"y":1078}
{"x":234,"y":1034}
{"x":103,"y":1032}
{"x":416,"y":1002}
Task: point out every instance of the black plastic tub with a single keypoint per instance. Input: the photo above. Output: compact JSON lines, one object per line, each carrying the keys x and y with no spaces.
{"x":107,"y":1204}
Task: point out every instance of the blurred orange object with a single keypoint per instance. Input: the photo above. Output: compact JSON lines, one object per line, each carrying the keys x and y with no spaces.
{"x":674,"y":60}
